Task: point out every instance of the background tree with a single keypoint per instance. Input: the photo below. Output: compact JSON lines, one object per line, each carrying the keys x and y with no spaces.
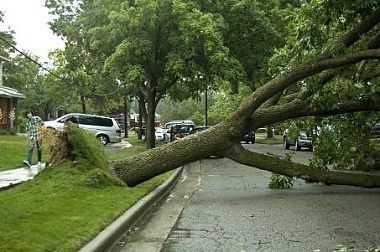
{"x":252,"y":30}
{"x":166,"y":46}
{"x":83,"y":65}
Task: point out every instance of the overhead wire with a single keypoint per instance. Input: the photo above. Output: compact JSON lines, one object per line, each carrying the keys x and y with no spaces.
{"x":46,"y":69}
{"x":28,"y":57}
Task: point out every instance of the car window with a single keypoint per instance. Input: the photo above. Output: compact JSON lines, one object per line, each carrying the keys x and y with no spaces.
{"x":94,"y":120}
{"x":107,"y":122}
{"x":63,"y":119}
{"x":82,"y":119}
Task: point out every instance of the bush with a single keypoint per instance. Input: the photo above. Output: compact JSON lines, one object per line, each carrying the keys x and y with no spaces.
{"x":278,"y":181}
{"x":4,"y":132}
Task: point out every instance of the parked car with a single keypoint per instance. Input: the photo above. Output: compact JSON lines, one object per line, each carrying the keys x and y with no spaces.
{"x":375,"y":129}
{"x":169,"y":135}
{"x":106,"y":129}
{"x":159,"y":134}
{"x":249,"y":137}
{"x":303,"y":140}
{"x":178,"y":131}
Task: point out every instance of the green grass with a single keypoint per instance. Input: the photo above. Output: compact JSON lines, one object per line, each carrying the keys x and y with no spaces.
{"x":64,"y":207}
{"x":13,"y":151}
{"x":262,"y":139}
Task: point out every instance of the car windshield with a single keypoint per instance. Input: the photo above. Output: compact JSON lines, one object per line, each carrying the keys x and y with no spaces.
{"x":303,"y":134}
{"x":183,"y":128}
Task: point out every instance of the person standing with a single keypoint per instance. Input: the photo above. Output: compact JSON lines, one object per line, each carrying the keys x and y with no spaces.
{"x":32,"y":125}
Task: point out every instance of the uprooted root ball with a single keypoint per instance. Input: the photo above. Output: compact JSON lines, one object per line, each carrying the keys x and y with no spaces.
{"x":83,"y":150}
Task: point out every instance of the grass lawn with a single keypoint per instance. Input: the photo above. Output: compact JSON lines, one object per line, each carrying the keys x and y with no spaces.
{"x":262,"y":139}
{"x":63,"y":207}
{"x":58,"y":210}
{"x":13,"y":151}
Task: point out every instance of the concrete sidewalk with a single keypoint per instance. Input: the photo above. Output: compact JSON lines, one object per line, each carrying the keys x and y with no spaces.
{"x":14,"y":177}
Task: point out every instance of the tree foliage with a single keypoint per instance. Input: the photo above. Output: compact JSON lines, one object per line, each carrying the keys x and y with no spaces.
{"x":322,"y":29}
{"x":157,"y":48}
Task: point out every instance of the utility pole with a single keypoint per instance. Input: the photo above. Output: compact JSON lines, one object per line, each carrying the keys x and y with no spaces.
{"x":2,"y":59}
{"x":125,"y":116}
{"x":206,"y":105}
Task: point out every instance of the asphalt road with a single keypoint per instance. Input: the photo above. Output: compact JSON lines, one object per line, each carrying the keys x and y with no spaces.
{"x":220,"y":205}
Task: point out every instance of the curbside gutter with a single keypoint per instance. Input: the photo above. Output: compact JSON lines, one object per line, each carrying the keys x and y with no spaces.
{"x":107,"y":238}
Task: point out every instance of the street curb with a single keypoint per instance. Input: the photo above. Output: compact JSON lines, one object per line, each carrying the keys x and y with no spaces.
{"x":106,"y":239}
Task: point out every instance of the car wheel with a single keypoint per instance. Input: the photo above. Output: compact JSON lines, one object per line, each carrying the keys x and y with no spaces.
{"x":286,"y":144}
{"x":103,"y":139}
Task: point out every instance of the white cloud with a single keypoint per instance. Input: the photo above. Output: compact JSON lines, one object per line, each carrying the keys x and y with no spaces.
{"x":28,"y":18}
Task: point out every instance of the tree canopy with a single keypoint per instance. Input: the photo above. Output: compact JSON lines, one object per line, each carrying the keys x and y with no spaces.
{"x":159,"y":48}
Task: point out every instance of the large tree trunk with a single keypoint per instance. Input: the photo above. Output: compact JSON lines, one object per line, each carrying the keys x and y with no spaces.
{"x":224,"y":138}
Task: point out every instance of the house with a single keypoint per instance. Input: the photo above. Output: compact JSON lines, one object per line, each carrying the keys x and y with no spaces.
{"x":8,"y":107}
{"x":8,"y":103}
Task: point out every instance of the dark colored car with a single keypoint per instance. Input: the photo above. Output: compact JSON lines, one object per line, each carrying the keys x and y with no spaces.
{"x":375,"y":129}
{"x":249,"y":138}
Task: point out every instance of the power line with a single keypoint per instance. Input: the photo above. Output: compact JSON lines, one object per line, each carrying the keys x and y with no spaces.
{"x":41,"y":66}
{"x":29,"y":58}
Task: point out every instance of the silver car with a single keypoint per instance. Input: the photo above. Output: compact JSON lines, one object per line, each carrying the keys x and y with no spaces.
{"x":303,"y":140}
{"x":106,"y":129}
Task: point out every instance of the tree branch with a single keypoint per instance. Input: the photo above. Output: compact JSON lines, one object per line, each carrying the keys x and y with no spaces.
{"x":366,"y":25}
{"x":278,"y":84}
{"x":298,"y":108}
{"x":281,"y":166}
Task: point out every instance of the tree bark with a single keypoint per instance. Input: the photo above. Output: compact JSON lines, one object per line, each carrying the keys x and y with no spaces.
{"x":280,"y":166}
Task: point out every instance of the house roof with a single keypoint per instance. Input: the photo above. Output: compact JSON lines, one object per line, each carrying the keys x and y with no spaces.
{"x":10,"y":92}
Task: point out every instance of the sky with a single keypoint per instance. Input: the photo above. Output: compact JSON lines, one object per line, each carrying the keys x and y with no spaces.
{"x":28,"y":18}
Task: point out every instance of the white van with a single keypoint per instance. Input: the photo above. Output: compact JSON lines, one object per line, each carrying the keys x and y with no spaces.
{"x":106,"y":129}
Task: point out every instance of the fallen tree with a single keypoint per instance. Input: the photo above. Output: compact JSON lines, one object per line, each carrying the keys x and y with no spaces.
{"x":356,"y":48}
{"x":224,"y":139}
